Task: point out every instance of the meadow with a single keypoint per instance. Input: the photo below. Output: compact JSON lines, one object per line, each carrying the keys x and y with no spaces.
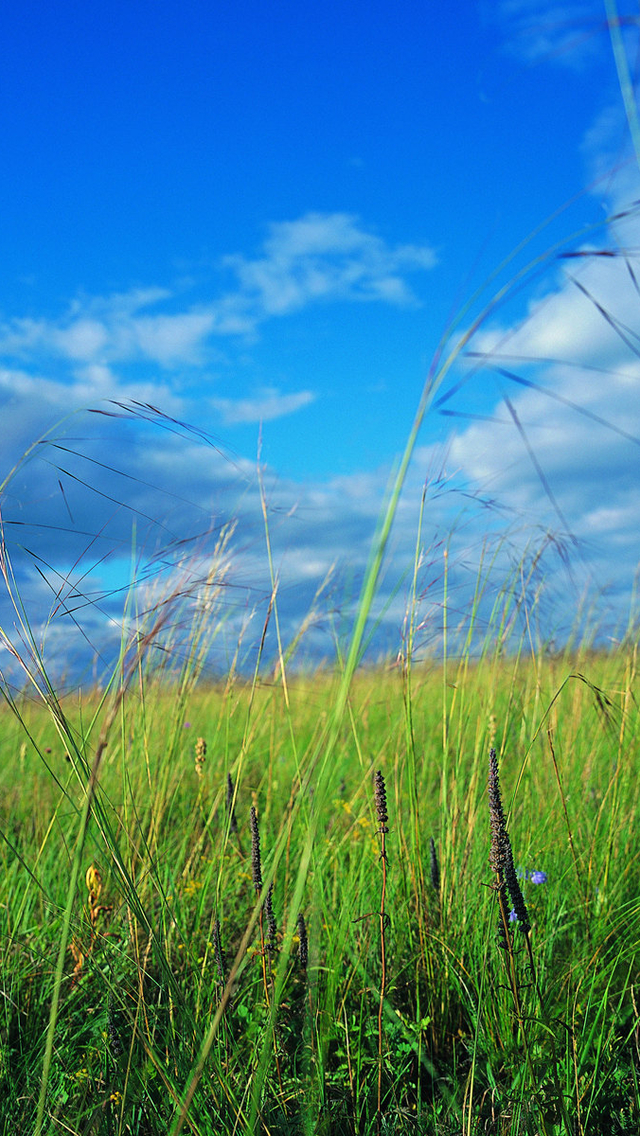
{"x":279,"y":906}
{"x":355,"y":899}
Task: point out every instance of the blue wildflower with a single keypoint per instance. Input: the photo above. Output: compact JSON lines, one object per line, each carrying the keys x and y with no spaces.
{"x":538,"y":877}
{"x":512,"y":915}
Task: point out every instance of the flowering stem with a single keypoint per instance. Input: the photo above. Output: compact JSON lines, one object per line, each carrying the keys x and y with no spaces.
{"x":383,"y":980}
{"x":381,"y":811}
{"x":506,"y":882}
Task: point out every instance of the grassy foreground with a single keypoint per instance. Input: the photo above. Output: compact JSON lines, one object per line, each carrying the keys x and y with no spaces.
{"x":218,"y":918}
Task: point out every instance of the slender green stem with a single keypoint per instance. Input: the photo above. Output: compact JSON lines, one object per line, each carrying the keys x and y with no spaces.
{"x":383,"y":976}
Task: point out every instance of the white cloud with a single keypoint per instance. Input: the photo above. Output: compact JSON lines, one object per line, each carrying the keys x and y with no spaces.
{"x":83,"y":339}
{"x":152,"y":472}
{"x":567,"y":34}
{"x":319,"y":257}
{"x":588,"y":315}
{"x":267,"y":405}
{"x":325,"y":257}
{"x":171,"y":340}
{"x":173,"y":485}
{"x":571,"y":462}
{"x":617,"y":524}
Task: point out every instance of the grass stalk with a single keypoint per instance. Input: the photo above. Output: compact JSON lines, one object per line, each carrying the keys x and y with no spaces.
{"x":382,"y":817}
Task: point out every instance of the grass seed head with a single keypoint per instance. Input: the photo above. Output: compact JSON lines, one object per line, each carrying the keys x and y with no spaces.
{"x":515,"y":891}
{"x":201,"y":753}
{"x":496,"y":816}
{"x":303,"y":948}
{"x":381,"y":801}
{"x":272,"y":926}
{"x":501,"y":856}
{"x":433,"y":865}
{"x":256,"y":866}
{"x":113,"y":1033}
{"x":218,"y":951}
{"x":233,"y":824}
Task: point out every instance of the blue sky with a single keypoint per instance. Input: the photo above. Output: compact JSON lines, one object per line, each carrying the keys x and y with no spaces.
{"x":260,"y":221}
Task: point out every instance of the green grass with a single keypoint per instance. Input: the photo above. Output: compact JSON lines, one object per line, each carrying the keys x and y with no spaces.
{"x":143,"y":989}
{"x":149,"y":1036}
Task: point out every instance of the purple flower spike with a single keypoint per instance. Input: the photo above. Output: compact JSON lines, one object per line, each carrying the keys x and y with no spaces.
{"x":186,"y":725}
{"x":538,"y":877}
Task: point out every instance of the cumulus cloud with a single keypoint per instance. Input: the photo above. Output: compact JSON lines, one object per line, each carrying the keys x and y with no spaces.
{"x":560,"y":464}
{"x":110,"y":348}
{"x":145,"y":488}
{"x":111,"y":330}
{"x":561,"y":446}
{"x":328,"y":257}
{"x":325,"y":257}
{"x":566,"y":34}
{"x":136,"y":485}
{"x":588,"y":315}
{"x":171,"y":340}
{"x":267,"y":404}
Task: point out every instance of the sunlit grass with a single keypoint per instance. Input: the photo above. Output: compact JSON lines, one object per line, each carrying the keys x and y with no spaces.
{"x":173,"y":1012}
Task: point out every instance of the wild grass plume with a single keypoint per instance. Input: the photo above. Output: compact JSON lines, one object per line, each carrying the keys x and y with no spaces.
{"x":501,"y":859}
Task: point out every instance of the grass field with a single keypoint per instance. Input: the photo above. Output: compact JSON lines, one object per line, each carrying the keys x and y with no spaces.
{"x":311,"y":902}
{"x":173,"y":962}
